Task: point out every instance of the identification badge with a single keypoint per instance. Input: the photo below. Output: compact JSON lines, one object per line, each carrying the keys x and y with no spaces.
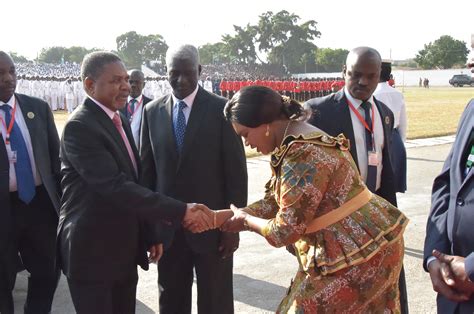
{"x":11,"y":154}
{"x":373,"y":159}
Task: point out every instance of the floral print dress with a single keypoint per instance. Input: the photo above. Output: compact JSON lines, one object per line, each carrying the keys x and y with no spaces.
{"x":351,"y":266}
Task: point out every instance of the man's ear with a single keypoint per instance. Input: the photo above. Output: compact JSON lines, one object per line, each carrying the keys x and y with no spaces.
{"x":199,"y":70}
{"x":89,"y":85}
{"x":344,"y":69}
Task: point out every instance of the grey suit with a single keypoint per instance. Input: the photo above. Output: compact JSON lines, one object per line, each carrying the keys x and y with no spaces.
{"x":451,"y":220}
{"x":30,"y":229}
{"x":210,"y":169}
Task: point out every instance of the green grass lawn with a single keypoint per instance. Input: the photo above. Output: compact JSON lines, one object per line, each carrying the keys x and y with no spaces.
{"x":431,"y":112}
{"x":435,"y":111}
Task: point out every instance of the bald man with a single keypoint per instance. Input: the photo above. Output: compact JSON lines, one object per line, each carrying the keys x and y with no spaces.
{"x":29,"y":193}
{"x":189,"y":151}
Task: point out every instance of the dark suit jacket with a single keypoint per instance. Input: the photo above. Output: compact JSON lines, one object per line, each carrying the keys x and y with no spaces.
{"x":332,"y":115}
{"x":451,"y":220}
{"x":211,"y":168}
{"x":45,"y":142}
{"x":103,"y":207}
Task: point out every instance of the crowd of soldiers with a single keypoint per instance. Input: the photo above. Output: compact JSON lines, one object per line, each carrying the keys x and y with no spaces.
{"x":300,"y":90}
{"x":60,"y":85}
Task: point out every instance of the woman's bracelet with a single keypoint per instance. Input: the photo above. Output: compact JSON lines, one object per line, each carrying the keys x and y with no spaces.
{"x":215,"y":220}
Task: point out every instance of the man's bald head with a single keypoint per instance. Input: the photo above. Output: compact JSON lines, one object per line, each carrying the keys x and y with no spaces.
{"x":365,"y":53}
{"x":362,"y":72}
{"x":137,"y":82}
{"x":183,"y":69}
{"x":136,"y":74}
{"x":183,"y":52}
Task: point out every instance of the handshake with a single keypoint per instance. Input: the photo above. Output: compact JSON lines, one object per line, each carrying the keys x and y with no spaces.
{"x":199,"y":218}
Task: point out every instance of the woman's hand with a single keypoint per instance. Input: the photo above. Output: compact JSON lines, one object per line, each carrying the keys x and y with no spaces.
{"x":236,"y":223}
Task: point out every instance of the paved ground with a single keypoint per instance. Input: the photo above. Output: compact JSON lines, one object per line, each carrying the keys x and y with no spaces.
{"x":262,"y":273}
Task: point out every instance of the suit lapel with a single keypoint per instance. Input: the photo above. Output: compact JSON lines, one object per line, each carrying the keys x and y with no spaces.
{"x":166,"y":117}
{"x":196,"y":118}
{"x":343,"y":117}
{"x":128,"y":133}
{"x":460,"y":166}
{"x":109,"y":126}
{"x":386,"y":121}
{"x":30,"y":117}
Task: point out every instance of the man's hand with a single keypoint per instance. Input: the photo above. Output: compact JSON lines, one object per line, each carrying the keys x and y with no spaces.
{"x":436,"y":268}
{"x":198,"y":218}
{"x":229,"y":244}
{"x":454,"y":274}
{"x":156,"y":251}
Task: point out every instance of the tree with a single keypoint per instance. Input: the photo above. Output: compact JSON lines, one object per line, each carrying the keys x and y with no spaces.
{"x":289,"y":44}
{"x":241,"y":46}
{"x":52,"y":55}
{"x":76,"y":53}
{"x":286,"y":43}
{"x":214,"y":53}
{"x":443,"y":53}
{"x":58,"y":54}
{"x":136,"y":49}
{"x":17,"y":58}
{"x":331,"y":60}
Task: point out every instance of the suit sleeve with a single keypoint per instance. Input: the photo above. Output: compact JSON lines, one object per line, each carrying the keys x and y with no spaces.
{"x":53,"y":147}
{"x":148,"y":170}
{"x":235,"y":166}
{"x":469,"y":266}
{"x":436,"y":228}
{"x":153,"y":232}
{"x":87,"y":153}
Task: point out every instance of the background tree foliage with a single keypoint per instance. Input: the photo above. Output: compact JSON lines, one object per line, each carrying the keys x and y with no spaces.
{"x":135,"y":49}
{"x":62,"y":54}
{"x":331,"y":60}
{"x":280,"y":37}
{"x":217,"y":53}
{"x":443,"y":53}
{"x":17,"y":57}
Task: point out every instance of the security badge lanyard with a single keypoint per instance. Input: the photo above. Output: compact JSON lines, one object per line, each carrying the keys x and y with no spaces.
{"x":135,"y":109}
{"x":373,"y":159}
{"x":11,"y":154}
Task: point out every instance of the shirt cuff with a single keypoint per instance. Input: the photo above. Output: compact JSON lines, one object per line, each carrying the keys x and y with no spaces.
{"x":429,"y":260}
{"x":469,"y":266}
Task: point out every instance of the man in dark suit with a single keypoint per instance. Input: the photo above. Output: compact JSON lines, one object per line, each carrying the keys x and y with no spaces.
{"x":366,"y":122}
{"x":29,"y":194}
{"x":136,"y":102}
{"x":449,"y":245}
{"x":343,"y":112}
{"x":101,"y":231}
{"x":189,"y":151}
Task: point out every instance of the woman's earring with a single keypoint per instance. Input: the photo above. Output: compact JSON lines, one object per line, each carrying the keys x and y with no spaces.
{"x":268,"y":130}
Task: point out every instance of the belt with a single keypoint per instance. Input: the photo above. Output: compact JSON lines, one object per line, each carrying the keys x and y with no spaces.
{"x":340,"y":213}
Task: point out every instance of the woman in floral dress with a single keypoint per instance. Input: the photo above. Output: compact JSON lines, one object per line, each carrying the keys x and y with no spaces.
{"x":348,"y":242}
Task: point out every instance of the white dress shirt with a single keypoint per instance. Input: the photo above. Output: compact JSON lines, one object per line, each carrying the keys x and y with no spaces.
{"x":359,"y":135}
{"x":189,"y":100}
{"x":20,"y":121}
{"x":395,"y":101}
{"x":136,"y":118}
